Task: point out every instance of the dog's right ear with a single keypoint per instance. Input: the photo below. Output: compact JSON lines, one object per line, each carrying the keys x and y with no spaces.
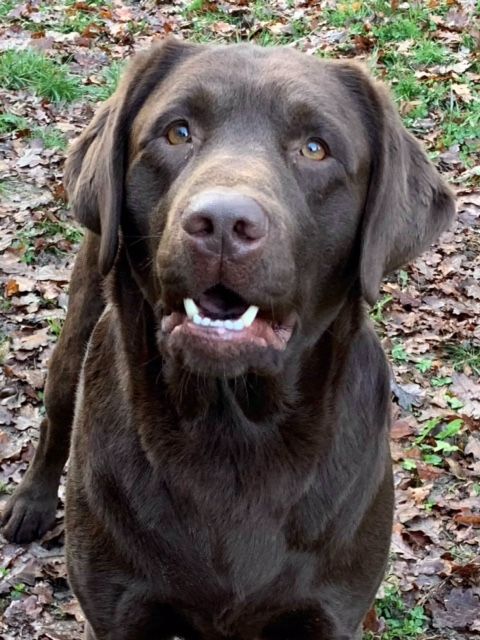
{"x":96,"y":164}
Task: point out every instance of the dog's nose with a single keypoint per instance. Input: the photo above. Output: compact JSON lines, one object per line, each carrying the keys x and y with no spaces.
{"x":227,"y":223}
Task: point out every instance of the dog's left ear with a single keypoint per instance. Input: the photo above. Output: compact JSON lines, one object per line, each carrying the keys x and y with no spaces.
{"x":96,"y":164}
{"x":408,"y":204}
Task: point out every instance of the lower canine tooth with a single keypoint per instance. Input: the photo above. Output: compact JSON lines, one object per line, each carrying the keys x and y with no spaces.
{"x":197,"y":319}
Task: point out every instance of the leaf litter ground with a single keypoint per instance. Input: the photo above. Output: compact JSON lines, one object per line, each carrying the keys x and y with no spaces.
{"x":57,"y":61}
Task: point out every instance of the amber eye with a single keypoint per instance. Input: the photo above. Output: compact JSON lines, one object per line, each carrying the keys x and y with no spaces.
{"x":314,"y":149}
{"x":179,"y":133}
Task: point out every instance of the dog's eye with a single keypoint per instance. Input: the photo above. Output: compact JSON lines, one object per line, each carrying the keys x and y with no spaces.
{"x":314,"y":149}
{"x":178,"y":133}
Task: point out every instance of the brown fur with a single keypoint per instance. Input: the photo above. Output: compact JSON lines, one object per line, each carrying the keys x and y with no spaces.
{"x":233,"y":493}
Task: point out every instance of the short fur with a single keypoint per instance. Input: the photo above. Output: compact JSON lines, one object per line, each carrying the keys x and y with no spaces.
{"x":237,"y":493}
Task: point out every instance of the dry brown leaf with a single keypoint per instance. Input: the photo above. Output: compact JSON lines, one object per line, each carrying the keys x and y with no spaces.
{"x":72,"y":608}
{"x":32,"y":341}
{"x":472,"y":519}
{"x":11,"y":288}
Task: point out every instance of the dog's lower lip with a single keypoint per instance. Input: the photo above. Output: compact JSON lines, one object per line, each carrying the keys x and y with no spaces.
{"x":260,"y":333}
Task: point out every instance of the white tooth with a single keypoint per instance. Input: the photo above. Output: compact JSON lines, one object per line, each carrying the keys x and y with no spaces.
{"x":217,"y":323}
{"x":191,"y":308}
{"x":238,"y":325}
{"x":205,"y":322}
{"x":197,"y":319}
{"x":228,"y":324}
{"x":249,"y":315}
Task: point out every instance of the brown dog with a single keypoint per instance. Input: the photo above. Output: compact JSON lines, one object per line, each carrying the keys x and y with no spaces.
{"x":230,"y":474}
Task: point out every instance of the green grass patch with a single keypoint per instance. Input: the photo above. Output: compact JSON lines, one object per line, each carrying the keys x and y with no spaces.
{"x":57,"y":230}
{"x":5,"y":489}
{"x":30,"y":70}
{"x":411,"y":26}
{"x":402,"y":621}
{"x":253,"y":26}
{"x":17,"y":591}
{"x":377,"y":312}
{"x":429,"y":52}
{"x":55,"y":326}
{"x":458,"y":121}
{"x":424,"y":365}
{"x":386,"y":24}
{"x":42,"y":237}
{"x":5,"y":7}
{"x":51,"y":137}
{"x":78,"y":22}
{"x":138,"y":27}
{"x":436,"y":441}
{"x":461,"y":123}
{"x":400,"y":29}
{"x":73,"y":16}
{"x":203,"y":26}
{"x":5,"y":188}
{"x":399,"y":354}
{"x":90,"y":3}
{"x":464,"y":355}
{"x":407,"y":87}
{"x":441,"y":381}
{"x":262,"y":11}
{"x":196,"y":6}
{"x":346,"y":14}
{"x":299,"y":28}
{"x":110,"y":77}
{"x":9,"y":122}
{"x":80,"y":16}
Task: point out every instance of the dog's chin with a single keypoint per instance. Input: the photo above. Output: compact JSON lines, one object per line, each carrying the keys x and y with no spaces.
{"x":217,"y":351}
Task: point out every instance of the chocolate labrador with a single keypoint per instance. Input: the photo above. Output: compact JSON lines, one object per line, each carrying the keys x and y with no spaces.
{"x":229,"y":472}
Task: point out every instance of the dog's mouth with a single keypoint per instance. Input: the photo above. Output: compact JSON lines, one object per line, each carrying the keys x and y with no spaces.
{"x":222,"y":315}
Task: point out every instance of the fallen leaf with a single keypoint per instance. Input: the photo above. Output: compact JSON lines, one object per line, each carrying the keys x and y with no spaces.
{"x":472,"y":519}
{"x":408,"y":395}
{"x":472,"y":448}
{"x":401,"y":429}
{"x":11,"y":288}
{"x":457,"y":610}
{"x":32,"y":341}
{"x":72,"y":608}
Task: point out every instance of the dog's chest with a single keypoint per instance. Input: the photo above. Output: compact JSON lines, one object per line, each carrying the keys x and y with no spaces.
{"x":233,"y":540}
{"x":189,"y":523}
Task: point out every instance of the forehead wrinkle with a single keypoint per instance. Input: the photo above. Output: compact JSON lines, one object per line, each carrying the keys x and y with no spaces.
{"x":299,"y":110}
{"x":197,"y":98}
{"x":303,"y":101}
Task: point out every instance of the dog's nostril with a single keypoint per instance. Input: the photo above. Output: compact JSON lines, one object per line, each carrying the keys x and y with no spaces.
{"x":250,"y":230}
{"x":199,"y":225}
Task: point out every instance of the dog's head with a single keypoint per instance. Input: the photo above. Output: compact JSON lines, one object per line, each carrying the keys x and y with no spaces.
{"x":252,"y":188}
